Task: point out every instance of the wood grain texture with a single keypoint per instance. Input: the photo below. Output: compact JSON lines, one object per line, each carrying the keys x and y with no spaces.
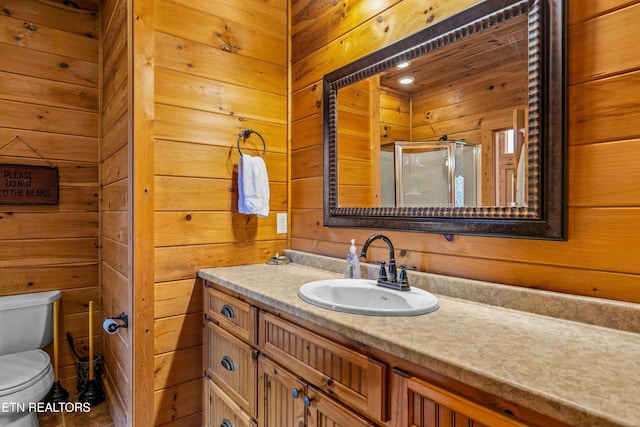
{"x":142,"y":80}
{"x":355,"y":379}
{"x":46,"y":37}
{"x":232,"y":365}
{"x":115,"y":227}
{"x":49,"y":75}
{"x":276,"y":405}
{"x":429,"y":405}
{"x":177,"y":297}
{"x":598,"y":258}
{"x":178,"y":405}
{"x":383,"y":28}
{"x":181,"y":262}
{"x":604,"y":39}
{"x":218,"y":68}
{"x":219,"y":406}
{"x":239,"y":32}
{"x":205,"y":109}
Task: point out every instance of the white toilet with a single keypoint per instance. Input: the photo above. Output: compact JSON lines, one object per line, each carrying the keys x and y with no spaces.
{"x":26,"y":373}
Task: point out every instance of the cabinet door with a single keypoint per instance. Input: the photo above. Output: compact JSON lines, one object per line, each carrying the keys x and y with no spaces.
{"x":221,"y":411}
{"x":420,"y":404}
{"x":280,"y":396}
{"x":348,"y":376}
{"x":324,"y":411}
{"x":231,"y":363}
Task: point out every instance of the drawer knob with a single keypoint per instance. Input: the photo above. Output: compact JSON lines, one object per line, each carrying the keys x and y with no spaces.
{"x":295,"y":393}
{"x":228,"y":363}
{"x":226,"y":423}
{"x":227,"y":311}
{"x":307,"y":401}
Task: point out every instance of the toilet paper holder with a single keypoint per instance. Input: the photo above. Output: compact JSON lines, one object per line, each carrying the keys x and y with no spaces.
{"x":113,"y":326}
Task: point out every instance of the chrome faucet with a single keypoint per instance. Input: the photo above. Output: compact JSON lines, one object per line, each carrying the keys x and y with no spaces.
{"x":390,"y":277}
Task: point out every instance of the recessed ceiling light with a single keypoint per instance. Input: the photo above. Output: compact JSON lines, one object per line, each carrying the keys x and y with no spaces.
{"x":403,"y":65}
{"x":406,"y":80}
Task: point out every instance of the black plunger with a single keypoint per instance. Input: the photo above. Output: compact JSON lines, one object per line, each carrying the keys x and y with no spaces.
{"x":57,"y":392}
{"x":92,"y":393}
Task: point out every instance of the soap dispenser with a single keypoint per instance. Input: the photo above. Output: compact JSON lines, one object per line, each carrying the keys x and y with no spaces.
{"x":353,"y":263}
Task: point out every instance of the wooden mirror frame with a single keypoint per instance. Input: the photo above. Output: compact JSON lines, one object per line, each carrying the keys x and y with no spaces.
{"x":544,"y":217}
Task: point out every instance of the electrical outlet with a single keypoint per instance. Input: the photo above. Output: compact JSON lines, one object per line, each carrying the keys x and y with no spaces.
{"x":281,"y":223}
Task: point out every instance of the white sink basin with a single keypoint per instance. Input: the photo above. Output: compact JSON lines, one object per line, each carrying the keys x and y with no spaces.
{"x":361,"y":296}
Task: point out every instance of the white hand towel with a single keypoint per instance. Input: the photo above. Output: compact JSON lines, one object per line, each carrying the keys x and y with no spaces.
{"x":253,"y":186}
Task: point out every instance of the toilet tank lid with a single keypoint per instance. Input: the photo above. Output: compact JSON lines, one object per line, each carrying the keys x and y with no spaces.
{"x":28,"y":300}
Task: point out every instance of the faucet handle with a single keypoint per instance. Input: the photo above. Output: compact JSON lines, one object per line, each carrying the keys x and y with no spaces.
{"x":382,"y":274}
{"x":402,"y":276}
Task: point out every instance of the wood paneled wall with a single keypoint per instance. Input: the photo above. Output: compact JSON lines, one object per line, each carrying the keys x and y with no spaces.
{"x":600,"y":257}
{"x":115,"y":224}
{"x":212,"y":69}
{"x":395,"y":117}
{"x":49,"y":75}
{"x":358,"y":115}
{"x":219,"y":67}
{"x":170,"y":131}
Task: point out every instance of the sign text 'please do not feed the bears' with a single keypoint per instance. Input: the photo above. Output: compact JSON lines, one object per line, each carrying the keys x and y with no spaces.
{"x":28,"y":185}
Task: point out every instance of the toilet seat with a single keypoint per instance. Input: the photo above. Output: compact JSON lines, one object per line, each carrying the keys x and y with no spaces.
{"x":20,"y":371}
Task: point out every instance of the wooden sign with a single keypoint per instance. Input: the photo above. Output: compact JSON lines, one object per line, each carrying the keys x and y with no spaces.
{"x":28,"y":185}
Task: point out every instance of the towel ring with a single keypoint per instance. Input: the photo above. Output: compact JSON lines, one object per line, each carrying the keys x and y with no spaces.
{"x":246,"y":133}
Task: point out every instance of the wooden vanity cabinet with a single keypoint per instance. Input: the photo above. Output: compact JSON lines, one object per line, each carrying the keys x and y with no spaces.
{"x":234,"y":315}
{"x":230,"y":360}
{"x":221,"y":411}
{"x":418,"y":403}
{"x":279,"y":405}
{"x":275,"y":371}
{"x":232,"y":365}
{"x":288,"y":401}
{"x":352,"y":378}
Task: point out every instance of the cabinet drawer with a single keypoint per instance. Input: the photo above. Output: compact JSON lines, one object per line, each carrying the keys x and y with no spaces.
{"x":344,"y":374}
{"x":232,"y":365}
{"x":420,"y":404}
{"x":234,"y":315}
{"x":221,"y":411}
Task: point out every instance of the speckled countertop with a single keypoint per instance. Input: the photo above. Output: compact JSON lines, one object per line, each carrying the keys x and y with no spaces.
{"x":575,"y":359}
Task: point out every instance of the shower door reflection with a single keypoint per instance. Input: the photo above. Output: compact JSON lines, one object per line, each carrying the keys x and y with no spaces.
{"x":438,"y":173}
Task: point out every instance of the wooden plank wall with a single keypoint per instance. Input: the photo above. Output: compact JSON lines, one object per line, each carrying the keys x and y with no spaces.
{"x":356,"y":116}
{"x":219,"y":67}
{"x":115,"y":226}
{"x":49,"y":74}
{"x":395,"y":117}
{"x":600,"y":257}
{"x":489,"y":83}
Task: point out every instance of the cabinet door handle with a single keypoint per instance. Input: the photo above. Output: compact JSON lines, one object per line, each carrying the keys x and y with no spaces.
{"x":228,"y":363}
{"x":226,"y":423}
{"x":307,"y":401}
{"x":227,"y":311}
{"x":295,"y":393}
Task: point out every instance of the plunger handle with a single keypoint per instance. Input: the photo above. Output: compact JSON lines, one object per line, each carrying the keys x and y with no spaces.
{"x":56,"y":313}
{"x":90,"y":340}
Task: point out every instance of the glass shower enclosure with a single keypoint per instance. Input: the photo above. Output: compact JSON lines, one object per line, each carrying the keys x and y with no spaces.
{"x":434,"y":173}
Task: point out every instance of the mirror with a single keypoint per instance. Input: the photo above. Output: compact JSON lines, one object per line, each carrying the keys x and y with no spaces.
{"x":473,"y":143}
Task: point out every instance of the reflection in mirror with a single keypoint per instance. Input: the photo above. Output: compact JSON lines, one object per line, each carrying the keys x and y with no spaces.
{"x":443,"y":173}
{"x":462,"y":120}
{"x":471,"y":91}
